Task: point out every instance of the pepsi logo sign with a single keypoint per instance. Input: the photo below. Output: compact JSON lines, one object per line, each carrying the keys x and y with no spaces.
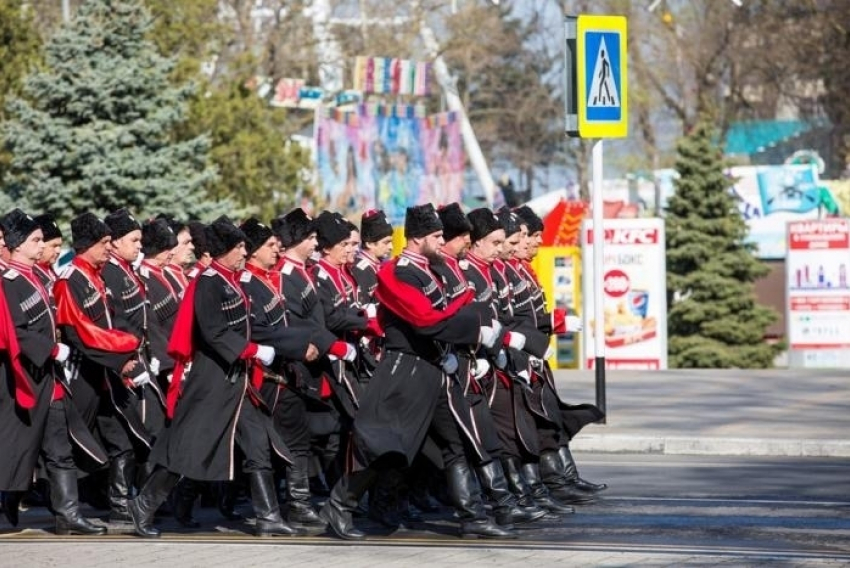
{"x":616,"y":283}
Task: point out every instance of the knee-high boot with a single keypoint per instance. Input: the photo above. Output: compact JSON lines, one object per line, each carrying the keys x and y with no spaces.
{"x":552,"y":473}
{"x":66,"y":505}
{"x":12,"y":505}
{"x":572,"y":475}
{"x":266,"y":507}
{"x":540,"y":493}
{"x":506,"y":509}
{"x":298,"y":491}
{"x":343,"y":499}
{"x":121,"y":475}
{"x":153,"y":494}
{"x":466,"y":499}
{"x":185,"y":495}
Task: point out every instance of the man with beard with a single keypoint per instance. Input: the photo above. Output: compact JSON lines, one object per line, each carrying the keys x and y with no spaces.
{"x":269,"y":325}
{"x":218,"y":406}
{"x":407,"y":399}
{"x":41,"y":420}
{"x":556,"y":421}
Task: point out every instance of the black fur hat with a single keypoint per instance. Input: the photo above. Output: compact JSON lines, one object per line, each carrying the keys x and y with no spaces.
{"x":17,"y":226}
{"x":374,"y":226}
{"x":256,"y":233}
{"x":198,"y":232}
{"x":223,"y":236}
{"x":331,"y":229}
{"x":454,"y":221}
{"x":510,"y":221}
{"x":157,"y":236}
{"x":295,"y":227}
{"x":121,"y":222}
{"x":48,"y":226}
{"x":530,"y":219}
{"x":420,"y":221}
{"x":87,"y":230}
{"x":175,"y":224}
{"x":483,"y":222}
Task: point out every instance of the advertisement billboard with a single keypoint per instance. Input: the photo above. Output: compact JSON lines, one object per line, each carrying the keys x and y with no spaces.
{"x":635,"y":294}
{"x":818,"y":294}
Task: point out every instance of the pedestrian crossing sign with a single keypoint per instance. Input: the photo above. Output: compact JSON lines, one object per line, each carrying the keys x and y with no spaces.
{"x":601,"y":80}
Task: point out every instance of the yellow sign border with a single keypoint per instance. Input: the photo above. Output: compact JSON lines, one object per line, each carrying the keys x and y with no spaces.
{"x":599,"y":129}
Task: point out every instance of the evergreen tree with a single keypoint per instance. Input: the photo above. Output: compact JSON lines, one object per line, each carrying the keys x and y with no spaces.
{"x":714,"y":320}
{"x":19,"y":53}
{"x":95,"y":130}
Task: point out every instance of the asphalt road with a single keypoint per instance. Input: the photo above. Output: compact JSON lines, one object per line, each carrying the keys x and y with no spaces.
{"x":660,"y":510}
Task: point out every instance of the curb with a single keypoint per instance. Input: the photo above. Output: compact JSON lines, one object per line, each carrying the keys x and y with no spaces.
{"x":701,"y":446}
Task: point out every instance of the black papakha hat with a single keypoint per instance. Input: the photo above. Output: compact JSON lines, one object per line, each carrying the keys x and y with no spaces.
{"x":530,"y":218}
{"x":121,"y":222}
{"x":483,"y":222}
{"x":18,"y":226}
{"x":331,"y":229}
{"x":87,"y":230}
{"x":421,"y":221}
{"x":374,"y":226}
{"x":295,"y":227}
{"x":48,"y":226}
{"x":157,"y":236}
{"x":454,"y":221}
{"x":223,"y":236}
{"x":256,"y":233}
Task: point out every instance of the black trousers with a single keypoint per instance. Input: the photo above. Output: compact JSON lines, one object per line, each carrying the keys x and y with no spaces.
{"x":292,"y":422}
{"x":56,"y":449}
{"x":252,"y":438}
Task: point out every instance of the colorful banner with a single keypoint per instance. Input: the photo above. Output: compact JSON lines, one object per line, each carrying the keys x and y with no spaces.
{"x":388,"y":157}
{"x":634,"y":294}
{"x":818,"y":299}
{"x":390,"y":75}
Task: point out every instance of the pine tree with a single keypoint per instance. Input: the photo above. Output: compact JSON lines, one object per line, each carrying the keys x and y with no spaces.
{"x":95,"y":130}
{"x":714,"y":320}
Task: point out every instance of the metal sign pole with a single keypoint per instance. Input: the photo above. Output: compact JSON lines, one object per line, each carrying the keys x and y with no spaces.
{"x":598,"y":279}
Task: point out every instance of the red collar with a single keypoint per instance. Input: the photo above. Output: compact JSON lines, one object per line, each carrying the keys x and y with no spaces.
{"x":270,"y":278}
{"x":339,"y":277}
{"x":91,"y":273}
{"x":374,"y":262}
{"x":419,"y":260}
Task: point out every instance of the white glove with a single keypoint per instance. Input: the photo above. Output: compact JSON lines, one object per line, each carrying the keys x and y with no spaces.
{"x":501,"y":359}
{"x":550,"y":352}
{"x":350,"y":354}
{"x":573,"y":324}
{"x":516,"y":340}
{"x":265,"y":354}
{"x":142,"y":379}
{"x":497,"y":326}
{"x":69,"y":374}
{"x":449,"y":363}
{"x":487,"y":336}
{"x":62,"y":352}
{"x":170,"y":377}
{"x":154,"y":366}
{"x":525,"y":375}
{"x":482,"y":367}
{"x":371,"y":310}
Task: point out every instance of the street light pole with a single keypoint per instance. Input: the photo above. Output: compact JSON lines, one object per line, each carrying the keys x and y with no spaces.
{"x":66,"y":11}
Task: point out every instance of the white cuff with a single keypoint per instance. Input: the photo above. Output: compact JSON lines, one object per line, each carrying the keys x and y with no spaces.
{"x":62,"y":352}
{"x":516,"y":340}
{"x":265,"y":354}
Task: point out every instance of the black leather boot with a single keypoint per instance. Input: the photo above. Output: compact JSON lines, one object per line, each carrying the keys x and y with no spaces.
{"x":519,"y":486}
{"x":474,"y":522}
{"x":552,"y":473}
{"x":226,"y":498}
{"x":342,"y":501}
{"x":12,"y":506}
{"x":540,"y":493}
{"x":266,"y":507}
{"x":185,"y":495}
{"x":153,"y":494}
{"x":384,"y":499}
{"x":65,"y":499}
{"x":506,"y":509}
{"x":571,"y":473}
{"x":121,"y":475}
{"x":298,"y":491}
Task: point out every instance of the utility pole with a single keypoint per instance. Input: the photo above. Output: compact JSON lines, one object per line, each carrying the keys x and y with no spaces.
{"x":66,"y":11}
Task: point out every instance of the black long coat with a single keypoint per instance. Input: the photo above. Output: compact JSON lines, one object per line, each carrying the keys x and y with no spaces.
{"x":200,"y":441}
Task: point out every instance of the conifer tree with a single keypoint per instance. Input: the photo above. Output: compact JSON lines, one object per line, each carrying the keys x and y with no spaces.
{"x":714,"y":320}
{"x":94,"y":131}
